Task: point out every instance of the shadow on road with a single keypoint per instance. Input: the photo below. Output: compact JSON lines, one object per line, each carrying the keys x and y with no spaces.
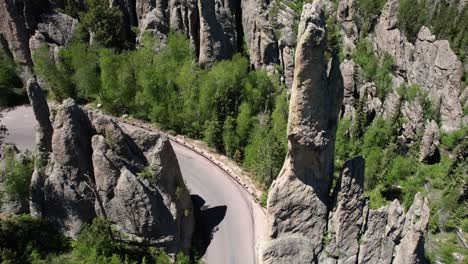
{"x":206,"y":221}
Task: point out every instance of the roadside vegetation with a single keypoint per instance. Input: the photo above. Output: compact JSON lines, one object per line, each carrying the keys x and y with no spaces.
{"x":10,"y":83}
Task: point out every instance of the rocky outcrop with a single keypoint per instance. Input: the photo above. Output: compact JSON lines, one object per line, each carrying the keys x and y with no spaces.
{"x":383,"y":229}
{"x":411,"y":247}
{"x":259,"y":34}
{"x":389,"y":39}
{"x":14,"y":34}
{"x":359,"y":234}
{"x":349,"y":73}
{"x":306,"y":225}
{"x":347,"y":11}
{"x":371,"y":103}
{"x":55,"y":29}
{"x":429,"y":63}
{"x":210,"y":25}
{"x":429,"y":151}
{"x":437,"y":69}
{"x":414,"y":120}
{"x":346,"y":220}
{"x":218,"y":36}
{"x":296,"y":234}
{"x":97,"y":170}
{"x":184,"y":16}
{"x":40,"y":107}
{"x":286,"y":42}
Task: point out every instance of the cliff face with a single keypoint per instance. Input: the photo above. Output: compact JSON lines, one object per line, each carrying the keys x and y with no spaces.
{"x":89,"y":167}
{"x":304,"y":224}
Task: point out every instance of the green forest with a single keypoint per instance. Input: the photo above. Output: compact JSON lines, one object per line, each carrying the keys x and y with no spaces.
{"x":241,"y":113}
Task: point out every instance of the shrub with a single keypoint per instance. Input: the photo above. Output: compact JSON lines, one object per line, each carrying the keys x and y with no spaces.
{"x":451,"y":140}
{"x":264,"y":199}
{"x":8,"y":80}
{"x":370,"y":10}
{"x":57,"y":75}
{"x":15,"y":174}
{"x":21,"y":235}
{"x":106,"y":23}
{"x":96,"y":237}
{"x":375,"y":70}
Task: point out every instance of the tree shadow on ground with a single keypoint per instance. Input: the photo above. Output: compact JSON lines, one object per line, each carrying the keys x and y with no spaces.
{"x":207,"y":220}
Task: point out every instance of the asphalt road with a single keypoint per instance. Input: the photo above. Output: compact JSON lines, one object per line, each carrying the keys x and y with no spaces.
{"x":229,"y":211}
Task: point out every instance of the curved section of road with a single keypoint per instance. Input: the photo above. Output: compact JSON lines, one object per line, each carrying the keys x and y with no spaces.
{"x":236,"y":217}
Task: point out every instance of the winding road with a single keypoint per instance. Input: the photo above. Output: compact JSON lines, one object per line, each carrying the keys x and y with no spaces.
{"x":233,"y":214}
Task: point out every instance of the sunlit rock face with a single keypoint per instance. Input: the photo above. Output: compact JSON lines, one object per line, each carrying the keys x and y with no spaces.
{"x":94,"y":169}
{"x":305,"y":224}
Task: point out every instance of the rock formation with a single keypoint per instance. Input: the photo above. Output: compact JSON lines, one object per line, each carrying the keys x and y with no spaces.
{"x":210,"y":25}
{"x":56,"y":29}
{"x":346,"y":14}
{"x":429,"y":151}
{"x":305,"y":224}
{"x":14,"y":35}
{"x":429,"y":63}
{"x":218,"y":37}
{"x":44,"y":131}
{"x":298,"y":198}
{"x":95,"y":169}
